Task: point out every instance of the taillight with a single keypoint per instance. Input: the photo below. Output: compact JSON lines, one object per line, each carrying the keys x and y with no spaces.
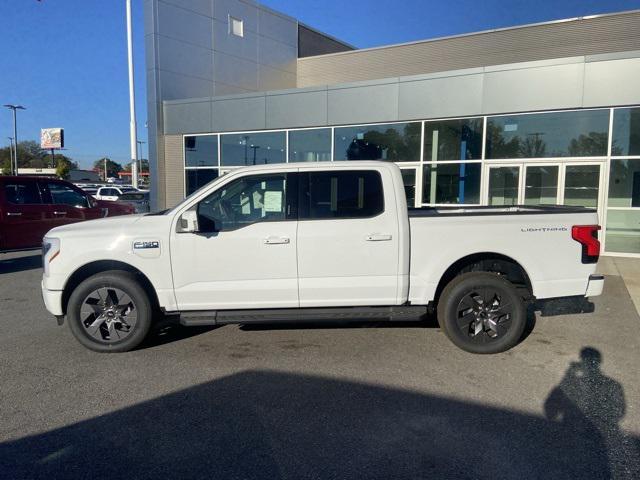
{"x":587,"y":236}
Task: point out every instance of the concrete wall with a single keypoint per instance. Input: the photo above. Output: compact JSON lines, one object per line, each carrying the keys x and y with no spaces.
{"x":575,"y":37}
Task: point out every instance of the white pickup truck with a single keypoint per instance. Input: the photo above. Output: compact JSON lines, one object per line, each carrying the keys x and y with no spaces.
{"x":324,"y":241}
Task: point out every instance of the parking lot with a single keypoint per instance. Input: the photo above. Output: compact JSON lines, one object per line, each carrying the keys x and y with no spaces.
{"x":319,"y":401}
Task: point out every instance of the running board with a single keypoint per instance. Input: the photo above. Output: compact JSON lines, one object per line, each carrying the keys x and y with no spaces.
{"x":330,"y":314}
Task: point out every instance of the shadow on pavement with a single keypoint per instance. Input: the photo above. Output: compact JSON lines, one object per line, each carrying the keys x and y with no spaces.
{"x":261,"y":424}
{"x":564,"y":306}
{"x":20,"y":264}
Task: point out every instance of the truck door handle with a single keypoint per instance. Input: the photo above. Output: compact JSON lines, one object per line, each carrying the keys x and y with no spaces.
{"x":59,"y":213}
{"x":276,"y":240}
{"x":379,"y":237}
{"x":14,"y":214}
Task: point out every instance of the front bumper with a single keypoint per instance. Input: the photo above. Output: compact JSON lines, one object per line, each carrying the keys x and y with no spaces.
{"x":52,"y":301}
{"x":595,"y":285}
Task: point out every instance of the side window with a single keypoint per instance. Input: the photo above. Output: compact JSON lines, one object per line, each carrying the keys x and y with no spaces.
{"x":247,"y":200}
{"x":22,"y":192}
{"x":342,"y":194}
{"x":62,"y":194}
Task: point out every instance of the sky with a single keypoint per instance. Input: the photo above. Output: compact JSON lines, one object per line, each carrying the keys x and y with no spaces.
{"x":66,"y":60}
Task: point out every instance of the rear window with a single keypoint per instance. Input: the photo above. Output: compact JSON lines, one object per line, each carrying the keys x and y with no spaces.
{"x":132,"y":196}
{"x":341,"y":194}
{"x":22,"y":192}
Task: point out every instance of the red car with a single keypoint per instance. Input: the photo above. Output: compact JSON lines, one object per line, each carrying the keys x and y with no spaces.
{"x":31,"y":206}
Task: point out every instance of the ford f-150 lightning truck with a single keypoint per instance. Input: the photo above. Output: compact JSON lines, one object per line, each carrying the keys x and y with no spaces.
{"x":324,"y":241}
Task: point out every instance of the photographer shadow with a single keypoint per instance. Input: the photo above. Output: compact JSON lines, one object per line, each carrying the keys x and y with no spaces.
{"x":590,"y":405}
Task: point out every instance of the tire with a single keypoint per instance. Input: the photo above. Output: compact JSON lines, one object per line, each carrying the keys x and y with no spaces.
{"x":110,"y":312}
{"x":482,"y":312}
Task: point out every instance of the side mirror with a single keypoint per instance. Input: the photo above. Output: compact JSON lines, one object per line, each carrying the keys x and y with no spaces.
{"x":188,"y":222}
{"x":91,"y":202}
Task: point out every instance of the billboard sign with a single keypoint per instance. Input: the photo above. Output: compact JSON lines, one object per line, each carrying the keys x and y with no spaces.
{"x":51,"y":138}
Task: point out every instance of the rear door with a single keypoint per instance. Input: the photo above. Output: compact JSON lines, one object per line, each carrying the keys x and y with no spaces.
{"x":348,"y":238}
{"x":24,"y":217}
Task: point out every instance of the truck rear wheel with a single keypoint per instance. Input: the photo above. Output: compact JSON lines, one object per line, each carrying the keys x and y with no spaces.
{"x":482,"y":312}
{"x":109,"y":312}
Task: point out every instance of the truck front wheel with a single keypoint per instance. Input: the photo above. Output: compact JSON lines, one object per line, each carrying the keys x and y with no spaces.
{"x":109,"y":312}
{"x":482,"y":312}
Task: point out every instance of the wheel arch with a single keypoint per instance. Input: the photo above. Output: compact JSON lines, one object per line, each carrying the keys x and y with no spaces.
{"x":89,"y":269}
{"x":488,"y":262}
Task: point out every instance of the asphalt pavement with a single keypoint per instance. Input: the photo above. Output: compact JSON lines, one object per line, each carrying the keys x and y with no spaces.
{"x":372,"y":400}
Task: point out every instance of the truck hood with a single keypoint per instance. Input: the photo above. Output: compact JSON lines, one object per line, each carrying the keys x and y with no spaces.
{"x":109,"y":226}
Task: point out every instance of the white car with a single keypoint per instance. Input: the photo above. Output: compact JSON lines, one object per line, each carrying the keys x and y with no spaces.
{"x":112,"y":193}
{"x":325,"y":241}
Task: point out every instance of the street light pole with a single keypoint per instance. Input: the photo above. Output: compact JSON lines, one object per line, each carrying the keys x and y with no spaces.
{"x":132,"y":103}
{"x":11,"y":153}
{"x":15,"y":132}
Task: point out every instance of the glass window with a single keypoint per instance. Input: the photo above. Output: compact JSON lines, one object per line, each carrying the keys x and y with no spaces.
{"x":623,"y":231}
{"x":543,"y":135}
{"x":541,"y":185}
{"x":247,"y":200}
{"x":581,"y":184}
{"x":398,"y":142}
{"x":453,"y":140}
{"x":201,"y":151}
{"x":409,"y":180}
{"x":342,"y":194}
{"x":196,"y":178}
{"x":62,"y":194}
{"x":504,"y":185}
{"x":457,"y":183}
{"x":626,"y":132}
{"x":253,"y":148}
{"x":310,"y":145}
{"x":624,"y":183}
{"x":22,"y":192}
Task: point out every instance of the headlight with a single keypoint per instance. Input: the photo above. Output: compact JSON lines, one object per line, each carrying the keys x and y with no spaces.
{"x":50,"y":250}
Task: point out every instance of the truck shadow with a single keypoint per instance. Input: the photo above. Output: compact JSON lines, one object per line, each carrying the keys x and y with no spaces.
{"x":20,"y":264}
{"x":271,"y":425}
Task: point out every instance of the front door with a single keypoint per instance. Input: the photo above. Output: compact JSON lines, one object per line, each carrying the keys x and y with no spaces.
{"x":348,"y":238}
{"x":249,"y":261}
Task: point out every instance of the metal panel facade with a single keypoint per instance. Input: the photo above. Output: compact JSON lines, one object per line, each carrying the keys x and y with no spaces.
{"x":581,"y":36}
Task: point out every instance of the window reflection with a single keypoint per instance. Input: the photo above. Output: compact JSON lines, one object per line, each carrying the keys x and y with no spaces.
{"x":626,"y":132}
{"x":543,"y":135}
{"x":201,"y":151}
{"x":261,"y":148}
{"x":398,"y":142}
{"x":453,"y":140}
{"x":196,"y":178}
{"x":310,"y":145}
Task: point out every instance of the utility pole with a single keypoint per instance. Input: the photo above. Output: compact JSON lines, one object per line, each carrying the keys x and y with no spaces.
{"x":105,"y":169}
{"x":132,"y":103}
{"x":140,"y":156}
{"x":15,"y":132}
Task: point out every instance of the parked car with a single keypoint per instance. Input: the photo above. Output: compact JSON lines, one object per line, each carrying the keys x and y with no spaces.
{"x":138,"y":200}
{"x":325,"y":241}
{"x":113,"y":193}
{"x":31,"y":206}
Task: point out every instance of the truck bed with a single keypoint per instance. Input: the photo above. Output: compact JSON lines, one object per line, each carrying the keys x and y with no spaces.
{"x":496,"y":210}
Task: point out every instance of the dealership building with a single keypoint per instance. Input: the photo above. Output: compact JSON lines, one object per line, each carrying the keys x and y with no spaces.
{"x":546,"y":113}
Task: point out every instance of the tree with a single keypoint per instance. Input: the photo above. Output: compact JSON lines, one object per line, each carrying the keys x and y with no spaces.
{"x":63,"y":166}
{"x":112,"y":167}
{"x":30,"y":155}
{"x":143,"y":166}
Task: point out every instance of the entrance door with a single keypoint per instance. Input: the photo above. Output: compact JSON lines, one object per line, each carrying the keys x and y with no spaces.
{"x":504,"y":185}
{"x":573,"y":183}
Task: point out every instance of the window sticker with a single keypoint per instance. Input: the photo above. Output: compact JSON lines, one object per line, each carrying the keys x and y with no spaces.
{"x":272,"y":201}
